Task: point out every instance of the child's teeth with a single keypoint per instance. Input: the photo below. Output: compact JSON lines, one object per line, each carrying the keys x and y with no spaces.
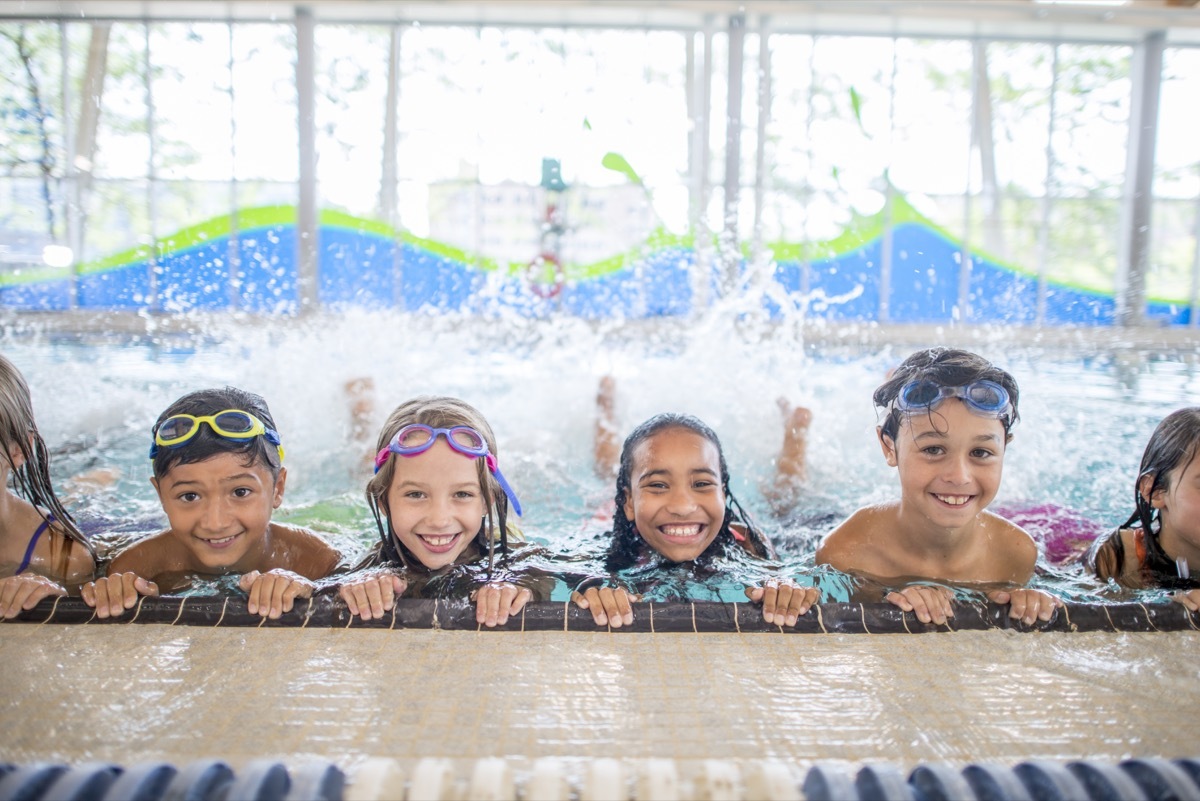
{"x":680,"y":531}
{"x":954,"y":500}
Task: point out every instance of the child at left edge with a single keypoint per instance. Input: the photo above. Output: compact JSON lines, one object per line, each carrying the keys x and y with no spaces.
{"x":218,"y":471}
{"x":948,"y":418}
{"x":42,"y":551}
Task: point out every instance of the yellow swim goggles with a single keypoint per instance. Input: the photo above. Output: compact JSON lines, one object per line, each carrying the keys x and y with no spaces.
{"x":233,"y":424}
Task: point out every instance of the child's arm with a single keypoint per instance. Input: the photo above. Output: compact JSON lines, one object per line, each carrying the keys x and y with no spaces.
{"x":782,"y":601}
{"x":370,"y":595}
{"x":1016,"y":555}
{"x":131,"y":573}
{"x":24,"y":592}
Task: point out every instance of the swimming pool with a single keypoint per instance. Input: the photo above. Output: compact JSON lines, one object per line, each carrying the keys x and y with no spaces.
{"x":179,"y":693}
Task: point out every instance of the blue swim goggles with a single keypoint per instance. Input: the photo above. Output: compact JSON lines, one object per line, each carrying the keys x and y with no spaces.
{"x":232,"y":424}
{"x":416,"y":438}
{"x":985,"y":398}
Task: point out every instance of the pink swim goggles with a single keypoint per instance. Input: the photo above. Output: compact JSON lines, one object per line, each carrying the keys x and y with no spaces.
{"x":415,"y":439}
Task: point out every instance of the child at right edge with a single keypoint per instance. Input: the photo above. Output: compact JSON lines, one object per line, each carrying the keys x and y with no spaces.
{"x":948,"y":418}
{"x":1159,"y":545}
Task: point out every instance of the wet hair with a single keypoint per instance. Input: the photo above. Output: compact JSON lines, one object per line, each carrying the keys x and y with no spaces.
{"x":439,"y":411}
{"x":1172,"y":447}
{"x":627,"y":543}
{"x":18,"y":431}
{"x":206,"y":443}
{"x":947,"y":367}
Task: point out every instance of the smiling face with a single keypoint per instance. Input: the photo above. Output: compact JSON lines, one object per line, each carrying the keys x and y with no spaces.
{"x":220,"y":509}
{"x":435,"y":503}
{"x":675,"y":497}
{"x":1179,"y":509}
{"x":950,"y":463}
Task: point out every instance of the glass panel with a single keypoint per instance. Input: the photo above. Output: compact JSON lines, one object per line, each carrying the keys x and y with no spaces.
{"x":1019,"y":84}
{"x":32,"y":146}
{"x":122,"y":141}
{"x":1091,"y":125}
{"x":1090,"y":139}
{"x":266,"y":139}
{"x":933,"y":122}
{"x":193,"y":136}
{"x":352,"y":76}
{"x":1175,"y":222}
{"x":486,"y":106}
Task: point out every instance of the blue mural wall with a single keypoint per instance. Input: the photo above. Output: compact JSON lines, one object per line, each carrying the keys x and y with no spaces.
{"x":361,"y":269}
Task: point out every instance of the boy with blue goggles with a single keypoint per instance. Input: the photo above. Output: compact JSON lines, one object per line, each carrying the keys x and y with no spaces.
{"x":985,"y":398}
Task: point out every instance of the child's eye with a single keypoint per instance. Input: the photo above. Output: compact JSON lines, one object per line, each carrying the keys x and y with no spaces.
{"x":243,"y":492}
{"x":933,"y":450}
{"x":704,"y":484}
{"x":981,"y":453}
{"x":189,"y":497}
{"x":414,"y":495}
{"x":468,"y":494}
{"x":656,"y":485}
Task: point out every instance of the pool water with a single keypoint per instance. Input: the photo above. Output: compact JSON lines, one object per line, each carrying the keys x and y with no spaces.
{"x":1085,"y":417}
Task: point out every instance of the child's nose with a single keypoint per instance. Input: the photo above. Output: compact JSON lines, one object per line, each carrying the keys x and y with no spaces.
{"x":440,"y":512}
{"x":680,"y":502}
{"x":958,"y":470}
{"x":215,"y":516}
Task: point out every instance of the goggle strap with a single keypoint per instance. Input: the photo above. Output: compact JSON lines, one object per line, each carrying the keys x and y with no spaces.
{"x":512,"y":498}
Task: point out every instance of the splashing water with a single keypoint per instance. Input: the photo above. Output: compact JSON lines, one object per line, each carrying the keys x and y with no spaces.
{"x":1085,"y":416}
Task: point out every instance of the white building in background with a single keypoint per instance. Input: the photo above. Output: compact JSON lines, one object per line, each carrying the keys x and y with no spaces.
{"x":504,"y":221}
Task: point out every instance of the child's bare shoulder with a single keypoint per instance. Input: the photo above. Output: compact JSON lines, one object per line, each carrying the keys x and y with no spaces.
{"x":1011,"y":545}
{"x":304,"y":551}
{"x":847,"y":540}
{"x":148,"y":557}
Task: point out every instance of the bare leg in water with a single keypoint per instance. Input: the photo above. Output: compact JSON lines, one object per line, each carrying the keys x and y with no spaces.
{"x":791,"y":466}
{"x":607,"y":445}
{"x":360,"y":396}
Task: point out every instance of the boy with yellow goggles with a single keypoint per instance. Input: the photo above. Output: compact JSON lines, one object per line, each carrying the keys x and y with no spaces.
{"x":232,"y":424}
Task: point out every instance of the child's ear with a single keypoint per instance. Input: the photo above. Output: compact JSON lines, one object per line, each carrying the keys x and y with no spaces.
{"x":1145,"y":485}
{"x":887,"y":445}
{"x":16,"y":456}
{"x":280,"y":481}
{"x":154,"y":483}
{"x":628,"y":510}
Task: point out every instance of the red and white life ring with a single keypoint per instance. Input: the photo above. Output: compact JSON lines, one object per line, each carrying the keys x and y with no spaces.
{"x":534,"y":269}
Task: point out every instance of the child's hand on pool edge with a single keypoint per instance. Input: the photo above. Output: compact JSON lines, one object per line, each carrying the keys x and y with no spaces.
{"x":1189,"y":598}
{"x":24,"y":592}
{"x":274,"y":592}
{"x":1025,"y":604}
{"x":610,"y":605}
{"x":494,"y":603}
{"x":113,"y":594}
{"x":371,"y":597}
{"x":929,"y":604}
{"x":783,"y":603}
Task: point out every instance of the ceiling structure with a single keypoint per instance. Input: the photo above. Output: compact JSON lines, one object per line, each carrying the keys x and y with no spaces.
{"x":1099,"y":20}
